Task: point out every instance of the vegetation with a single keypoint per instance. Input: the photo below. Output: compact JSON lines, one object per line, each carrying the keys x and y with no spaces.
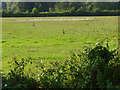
{"x":45,"y":39}
{"x":83,"y":69}
{"x":60,"y":54}
{"x":22,"y":9}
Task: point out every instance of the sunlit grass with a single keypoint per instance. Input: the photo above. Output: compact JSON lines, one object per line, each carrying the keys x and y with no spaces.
{"x":46,"y":39}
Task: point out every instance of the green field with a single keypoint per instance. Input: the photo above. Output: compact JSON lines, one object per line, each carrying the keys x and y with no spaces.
{"x":45,"y":39}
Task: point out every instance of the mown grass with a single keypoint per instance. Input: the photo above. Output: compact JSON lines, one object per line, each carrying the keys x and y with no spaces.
{"x":45,"y":40}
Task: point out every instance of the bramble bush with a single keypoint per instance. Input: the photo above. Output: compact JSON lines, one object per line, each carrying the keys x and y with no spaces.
{"x":95,"y":67}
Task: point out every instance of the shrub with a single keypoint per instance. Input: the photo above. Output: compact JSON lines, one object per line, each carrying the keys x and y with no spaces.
{"x":35,"y":11}
{"x":17,"y":78}
{"x":88,"y":69}
{"x":95,"y":67}
{"x":72,"y":12}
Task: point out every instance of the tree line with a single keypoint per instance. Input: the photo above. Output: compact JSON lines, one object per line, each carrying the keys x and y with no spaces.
{"x":59,"y":8}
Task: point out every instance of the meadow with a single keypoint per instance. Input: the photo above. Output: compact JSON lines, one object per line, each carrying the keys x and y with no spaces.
{"x":45,"y":40}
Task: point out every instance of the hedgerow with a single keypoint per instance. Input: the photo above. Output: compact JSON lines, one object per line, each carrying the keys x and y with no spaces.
{"x":35,"y":13}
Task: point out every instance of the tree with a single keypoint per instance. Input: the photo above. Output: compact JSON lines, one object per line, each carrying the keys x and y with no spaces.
{"x":62,"y":6}
{"x":23,"y":6}
{"x":96,"y":10}
{"x":73,"y":10}
{"x":50,"y":9}
{"x":35,"y":11}
{"x":4,"y":5}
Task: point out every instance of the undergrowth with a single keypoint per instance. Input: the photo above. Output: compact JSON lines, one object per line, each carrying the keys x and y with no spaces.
{"x":94,"y":67}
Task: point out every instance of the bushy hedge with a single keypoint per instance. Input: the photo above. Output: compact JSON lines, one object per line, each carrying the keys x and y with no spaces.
{"x":96,"y":67}
{"x":64,"y":13}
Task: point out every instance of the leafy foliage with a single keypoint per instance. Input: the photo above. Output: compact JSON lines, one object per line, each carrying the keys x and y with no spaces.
{"x":34,"y":10}
{"x":73,"y":8}
{"x":94,"y":67}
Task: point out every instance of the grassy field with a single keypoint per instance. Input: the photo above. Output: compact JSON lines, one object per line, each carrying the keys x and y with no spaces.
{"x":45,"y":40}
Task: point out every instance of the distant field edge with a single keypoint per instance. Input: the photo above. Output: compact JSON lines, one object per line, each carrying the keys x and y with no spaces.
{"x":49,"y":14}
